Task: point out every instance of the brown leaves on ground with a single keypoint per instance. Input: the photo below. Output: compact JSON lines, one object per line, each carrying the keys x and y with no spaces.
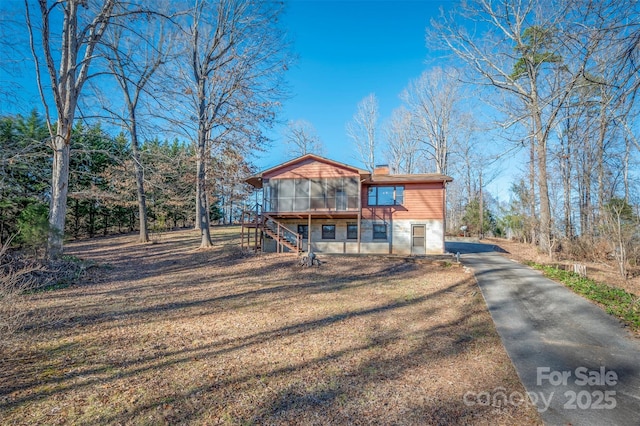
{"x":165,"y":334}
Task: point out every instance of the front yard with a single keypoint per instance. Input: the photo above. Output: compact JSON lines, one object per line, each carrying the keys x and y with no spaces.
{"x":165,"y":334}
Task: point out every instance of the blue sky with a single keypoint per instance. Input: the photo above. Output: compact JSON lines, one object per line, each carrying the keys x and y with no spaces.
{"x":347,"y":50}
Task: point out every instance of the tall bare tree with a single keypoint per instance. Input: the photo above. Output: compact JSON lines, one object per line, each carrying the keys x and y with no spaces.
{"x":402,"y":148}
{"x":434,"y":100}
{"x":82,"y":25}
{"x":236,"y":56}
{"x":536,"y":51}
{"x":302,"y":138}
{"x":363,"y":130}
{"x":133,"y":57}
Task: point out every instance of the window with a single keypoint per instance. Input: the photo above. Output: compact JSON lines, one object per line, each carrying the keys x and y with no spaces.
{"x":352,"y":231}
{"x":379,"y":231}
{"x":385,"y":195}
{"x":328,"y":232}
{"x":304,"y":231}
{"x":351,"y":186}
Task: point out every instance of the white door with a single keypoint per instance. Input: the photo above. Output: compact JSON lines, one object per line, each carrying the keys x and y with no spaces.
{"x":418,"y":239}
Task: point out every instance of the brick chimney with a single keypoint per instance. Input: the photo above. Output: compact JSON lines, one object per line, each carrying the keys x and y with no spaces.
{"x":381,"y":169}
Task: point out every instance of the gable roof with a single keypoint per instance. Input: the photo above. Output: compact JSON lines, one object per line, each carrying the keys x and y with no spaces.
{"x":256,"y":180}
{"x":368,"y":177}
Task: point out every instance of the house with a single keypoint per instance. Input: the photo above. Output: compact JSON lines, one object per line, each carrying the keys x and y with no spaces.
{"x":315,"y":204}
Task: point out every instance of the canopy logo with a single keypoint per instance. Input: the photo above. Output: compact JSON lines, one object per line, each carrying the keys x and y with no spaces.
{"x":593,"y":395}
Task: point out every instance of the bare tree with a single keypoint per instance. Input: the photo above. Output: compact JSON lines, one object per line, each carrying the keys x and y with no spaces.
{"x":363,"y":128}
{"x":133,"y":57}
{"x":83,"y":24}
{"x":236,"y":56}
{"x":621,"y":225}
{"x":302,"y":139}
{"x":535,"y":55}
{"x":433,"y":100}
{"x":402,"y":149}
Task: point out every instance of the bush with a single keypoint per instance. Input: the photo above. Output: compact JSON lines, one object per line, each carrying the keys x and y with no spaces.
{"x":587,"y":248}
{"x":33,"y":227}
{"x":15,"y":279}
{"x":20,"y":276}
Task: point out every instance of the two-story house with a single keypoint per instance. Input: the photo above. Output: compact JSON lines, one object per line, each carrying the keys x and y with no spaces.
{"x":315,"y":204}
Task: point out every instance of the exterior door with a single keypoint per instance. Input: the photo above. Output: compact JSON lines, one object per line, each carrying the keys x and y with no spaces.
{"x":418,"y":240}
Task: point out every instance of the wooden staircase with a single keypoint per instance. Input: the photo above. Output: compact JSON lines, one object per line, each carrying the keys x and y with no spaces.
{"x":256,"y":226}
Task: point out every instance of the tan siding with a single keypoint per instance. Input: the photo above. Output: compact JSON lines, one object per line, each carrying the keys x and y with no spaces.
{"x":310,"y":169}
{"x":421,"y":201}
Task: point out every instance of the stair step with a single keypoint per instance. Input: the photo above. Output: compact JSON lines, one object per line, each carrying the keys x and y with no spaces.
{"x":282,"y":240}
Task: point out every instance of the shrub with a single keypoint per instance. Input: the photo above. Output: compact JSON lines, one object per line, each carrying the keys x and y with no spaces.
{"x":33,"y":227}
{"x":16,"y":278}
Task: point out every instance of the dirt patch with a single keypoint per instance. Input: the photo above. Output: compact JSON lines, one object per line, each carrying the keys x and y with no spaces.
{"x":165,"y":334}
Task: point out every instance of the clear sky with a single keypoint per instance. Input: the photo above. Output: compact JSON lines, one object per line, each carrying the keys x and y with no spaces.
{"x":348,"y":49}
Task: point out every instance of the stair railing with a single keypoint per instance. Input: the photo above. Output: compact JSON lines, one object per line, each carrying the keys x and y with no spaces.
{"x":282,"y":233}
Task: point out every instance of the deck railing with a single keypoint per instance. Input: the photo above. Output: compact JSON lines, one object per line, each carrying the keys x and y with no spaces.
{"x":255,"y":224}
{"x":284,"y":237}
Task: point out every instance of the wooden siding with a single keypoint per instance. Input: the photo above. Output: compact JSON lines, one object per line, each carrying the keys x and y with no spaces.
{"x":310,"y":168}
{"x":421,"y":201}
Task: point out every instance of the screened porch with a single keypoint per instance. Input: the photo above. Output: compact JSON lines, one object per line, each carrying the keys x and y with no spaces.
{"x":308,"y":195}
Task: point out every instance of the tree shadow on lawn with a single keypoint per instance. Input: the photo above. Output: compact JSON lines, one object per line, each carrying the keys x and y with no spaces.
{"x":55,"y":372}
{"x":164,"y":359}
{"x":280,"y":279}
{"x":310,"y":395}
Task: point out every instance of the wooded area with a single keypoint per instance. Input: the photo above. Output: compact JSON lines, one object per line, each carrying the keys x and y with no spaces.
{"x":151,"y":113}
{"x":206,"y":75}
{"x":102,"y":183}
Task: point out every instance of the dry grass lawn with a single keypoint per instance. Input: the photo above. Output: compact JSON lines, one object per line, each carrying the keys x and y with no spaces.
{"x":166,"y":334}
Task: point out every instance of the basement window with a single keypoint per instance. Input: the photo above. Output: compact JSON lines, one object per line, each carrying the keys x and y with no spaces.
{"x":352,"y":231}
{"x":328,"y":232}
{"x":304,"y":231}
{"x":379,"y":231}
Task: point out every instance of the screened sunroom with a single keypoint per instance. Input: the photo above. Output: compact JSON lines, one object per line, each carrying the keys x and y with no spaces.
{"x":336,"y":194}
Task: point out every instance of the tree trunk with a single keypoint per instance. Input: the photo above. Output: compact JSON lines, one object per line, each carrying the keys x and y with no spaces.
{"x":565,"y":165}
{"x":201,"y":201}
{"x":532,"y":192}
{"x":600,"y":157}
{"x":543,"y":185}
{"x":481,"y":207}
{"x":59,"y":186}
{"x":545,"y":206}
{"x":105,"y":217}
{"x":139,"y":172}
{"x":585,"y":195}
{"x":625,"y":165}
{"x":566,"y":183}
{"x":76,"y":223}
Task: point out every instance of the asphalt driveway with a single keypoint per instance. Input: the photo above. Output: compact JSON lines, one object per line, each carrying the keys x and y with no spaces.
{"x":579,"y":365}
